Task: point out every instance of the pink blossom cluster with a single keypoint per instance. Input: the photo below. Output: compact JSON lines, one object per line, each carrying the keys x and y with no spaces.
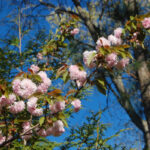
{"x":135,"y":37}
{"x":56,"y":130}
{"x":17,"y":107}
{"x":32,"y":107}
{"x":146,"y":23}
{"x":58,"y":106}
{"x":7,"y":101}
{"x":14,"y":107}
{"x":78,"y":75}
{"x":43,"y":87}
{"x":39,"y":56}
{"x":26,"y":129}
{"x":77,"y":104}
{"x":118,"y":32}
{"x":112,"y":61}
{"x":24,"y":88}
{"x":34,"y":68}
{"x":86,"y":56}
{"x":2,"y":138}
{"x":74,"y":31}
{"x":112,"y":39}
{"x":102,"y":42}
{"x":122,"y":63}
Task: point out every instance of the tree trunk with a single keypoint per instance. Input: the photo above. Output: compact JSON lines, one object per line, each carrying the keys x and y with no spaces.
{"x":144,"y":81}
{"x":147,"y":141}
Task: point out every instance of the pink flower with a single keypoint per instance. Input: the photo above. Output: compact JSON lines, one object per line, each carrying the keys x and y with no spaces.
{"x":114,"y":40}
{"x":76,"y":74}
{"x":47,"y":82}
{"x":24,"y":88}
{"x":34,"y":68}
{"x":146,"y":23}
{"x":86,"y":56}
{"x":7,"y":101}
{"x":42,"y":132}
{"x":53,"y":108}
{"x":43,"y":87}
{"x":58,"y":106}
{"x":8,"y":138}
{"x":3,"y":101}
{"x":58,"y":128}
{"x":31,"y":107}
{"x":40,"y":56}
{"x":118,"y":32}
{"x":49,"y":131}
{"x":135,"y":34}
{"x":74,"y":71}
{"x":122,"y":63}
{"x":2,"y":139}
{"x":16,"y":85}
{"x":31,"y":104}
{"x":74,"y":31}
{"x":80,"y":83}
{"x":17,"y":107}
{"x":11,"y":98}
{"x":37,"y":112}
{"x":77,"y":105}
{"x":43,"y":75}
{"x":82,"y":76}
{"x":26,"y":126}
{"x":111,"y":59}
{"x":102,"y":42}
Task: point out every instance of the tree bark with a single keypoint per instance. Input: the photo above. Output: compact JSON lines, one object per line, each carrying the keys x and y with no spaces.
{"x":144,"y":81}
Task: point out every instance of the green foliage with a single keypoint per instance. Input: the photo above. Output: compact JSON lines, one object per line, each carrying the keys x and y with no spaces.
{"x":35,"y":144}
{"x":90,"y":135}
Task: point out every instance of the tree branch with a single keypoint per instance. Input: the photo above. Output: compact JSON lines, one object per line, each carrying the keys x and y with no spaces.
{"x":92,"y":28}
{"x":124,"y":101}
{"x":59,"y":10}
{"x":14,"y":138}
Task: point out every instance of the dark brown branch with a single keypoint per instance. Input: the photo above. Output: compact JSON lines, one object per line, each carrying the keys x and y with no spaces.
{"x":124,"y":101}
{"x":59,"y":10}
{"x":92,"y":28}
{"x":18,"y":136}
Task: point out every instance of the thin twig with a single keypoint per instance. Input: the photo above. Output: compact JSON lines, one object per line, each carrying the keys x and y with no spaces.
{"x":20,"y":38}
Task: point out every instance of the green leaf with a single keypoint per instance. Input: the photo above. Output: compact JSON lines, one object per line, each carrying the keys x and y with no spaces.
{"x":90,"y":58}
{"x":134,"y":26}
{"x":65,"y":122}
{"x":131,"y":18}
{"x":41,"y":120}
{"x":37,"y":77}
{"x":129,"y":28}
{"x":61,"y":70}
{"x":65,"y":76}
{"x":14,"y":41}
{"x":101,"y":85}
